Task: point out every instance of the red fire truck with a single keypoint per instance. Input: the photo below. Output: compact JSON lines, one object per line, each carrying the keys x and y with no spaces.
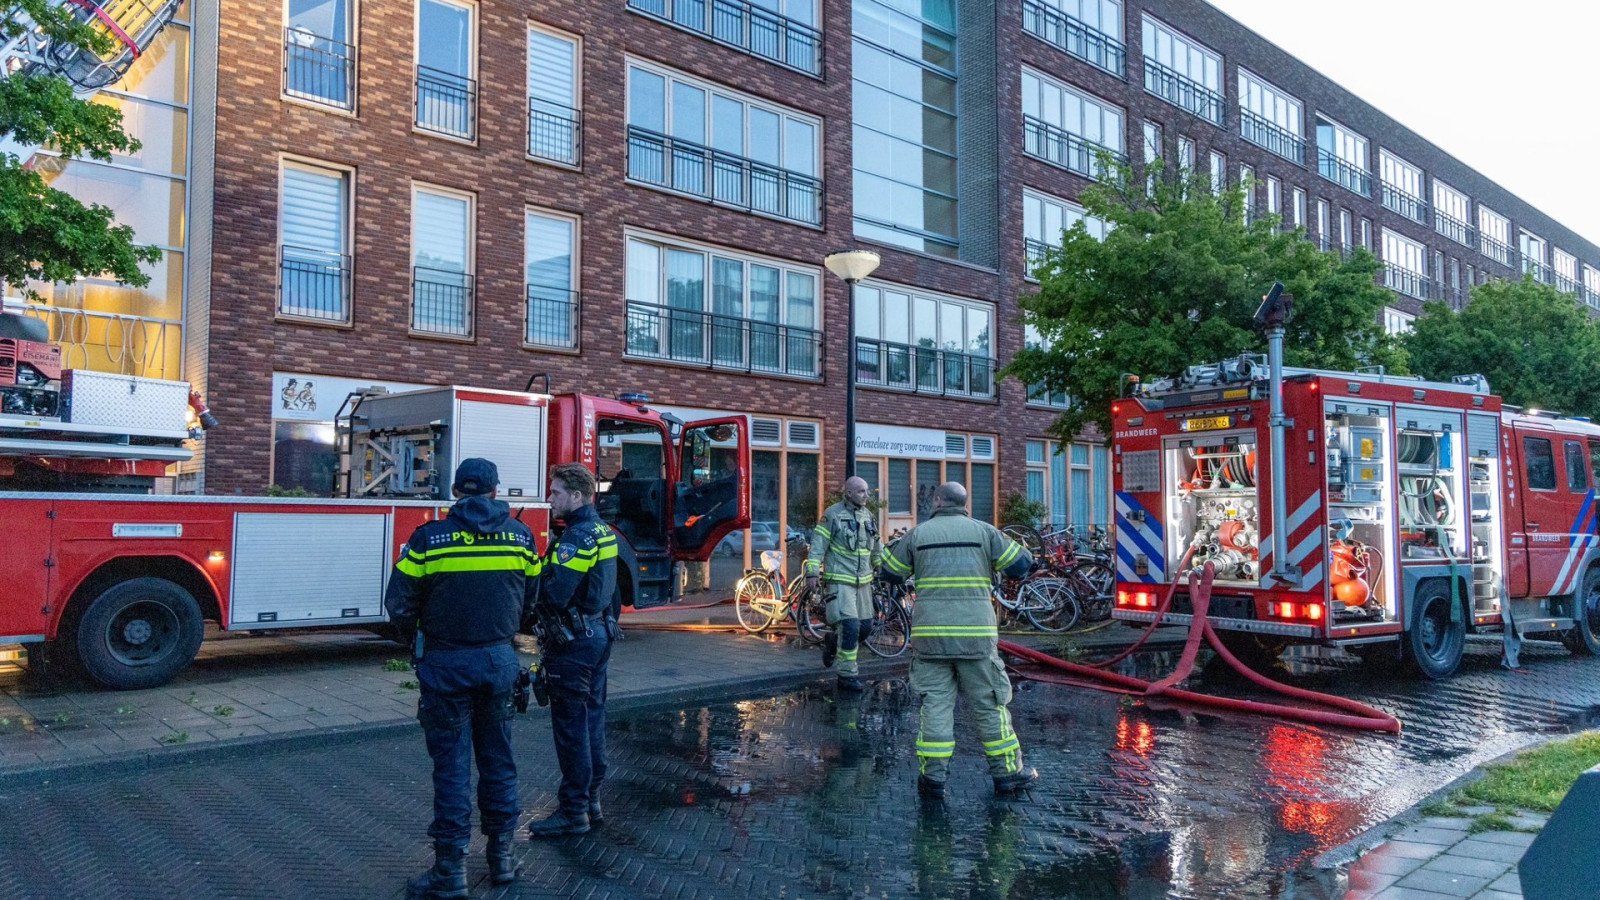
{"x":123,"y":583}
{"x":1414,"y":513}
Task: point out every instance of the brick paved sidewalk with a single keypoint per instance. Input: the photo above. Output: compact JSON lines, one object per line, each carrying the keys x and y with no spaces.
{"x":1437,"y":859}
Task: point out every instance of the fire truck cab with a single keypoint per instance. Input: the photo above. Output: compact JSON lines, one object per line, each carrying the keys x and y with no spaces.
{"x":1415,"y":513}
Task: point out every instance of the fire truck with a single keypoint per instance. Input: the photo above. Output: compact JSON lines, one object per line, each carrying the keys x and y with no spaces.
{"x":122,"y":582}
{"x":1393,"y":518}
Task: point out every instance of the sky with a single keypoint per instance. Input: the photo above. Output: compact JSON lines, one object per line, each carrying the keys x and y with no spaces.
{"x":1507,"y":88}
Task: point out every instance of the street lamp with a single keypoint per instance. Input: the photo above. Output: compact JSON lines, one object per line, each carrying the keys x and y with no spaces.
{"x":852,"y":266}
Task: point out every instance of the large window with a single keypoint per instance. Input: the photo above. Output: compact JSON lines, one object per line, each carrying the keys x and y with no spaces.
{"x":1402,"y":187}
{"x":1452,"y":214}
{"x":1591,"y":286}
{"x":1185,"y":154}
{"x":314,"y":243}
{"x":780,"y":31}
{"x":1219,"y":173}
{"x":1494,"y":235}
{"x":1182,"y":71}
{"x":1396,"y":322}
{"x":552,"y":252}
{"x":1342,"y":156}
{"x":442,"y":289}
{"x":1072,"y":480}
{"x":712,"y":307}
{"x":1045,"y":218}
{"x":1066,"y":127}
{"x":1270,"y":117}
{"x":1039,"y":393}
{"x":1297,"y":210}
{"x":1405,"y":264}
{"x":447,"y":86}
{"x":1566,"y":270}
{"x":555,"y":124}
{"x":1324,"y":226}
{"x":1091,"y":30}
{"x":916,"y":341}
{"x":319,"y":52}
{"x":1532,"y":248}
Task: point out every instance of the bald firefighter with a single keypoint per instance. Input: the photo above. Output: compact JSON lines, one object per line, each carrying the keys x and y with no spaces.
{"x":845,"y":551}
{"x":954,"y":638}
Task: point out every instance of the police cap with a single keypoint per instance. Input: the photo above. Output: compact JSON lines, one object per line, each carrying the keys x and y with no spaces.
{"x":476,"y":476}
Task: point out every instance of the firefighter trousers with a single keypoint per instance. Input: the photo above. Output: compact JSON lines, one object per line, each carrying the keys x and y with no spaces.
{"x":849,"y":611}
{"x":985,"y":685}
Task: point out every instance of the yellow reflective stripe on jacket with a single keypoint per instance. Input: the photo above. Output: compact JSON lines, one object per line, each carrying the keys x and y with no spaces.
{"x":847,"y":579}
{"x":895,"y":565}
{"x":955,"y":631}
{"x":953,"y":581}
{"x":1008,"y":557}
{"x":480,"y":564}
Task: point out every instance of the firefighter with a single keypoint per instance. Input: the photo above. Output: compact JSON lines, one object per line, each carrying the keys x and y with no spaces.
{"x":845,"y":551}
{"x":954,"y":638}
{"x":579,"y":607}
{"x":458,"y":594}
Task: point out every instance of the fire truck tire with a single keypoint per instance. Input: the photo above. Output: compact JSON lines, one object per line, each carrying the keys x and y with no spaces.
{"x":1584,"y":640}
{"x":1435,"y":640}
{"x":139,"y":633}
{"x":1260,"y":652}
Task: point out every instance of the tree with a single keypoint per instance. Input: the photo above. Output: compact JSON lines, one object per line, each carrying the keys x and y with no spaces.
{"x":1535,"y":344}
{"x":1175,"y":283}
{"x":47,"y":234}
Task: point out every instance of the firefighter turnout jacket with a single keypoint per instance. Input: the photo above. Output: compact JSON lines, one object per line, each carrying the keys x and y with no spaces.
{"x":951,"y":558}
{"x":845,"y":548}
{"x":465,"y":580}
{"x":581,"y":569}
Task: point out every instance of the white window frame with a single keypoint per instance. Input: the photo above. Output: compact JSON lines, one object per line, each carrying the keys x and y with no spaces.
{"x":1152,"y":141}
{"x":1037,"y":210}
{"x":1324,"y":224}
{"x":712,"y":88}
{"x":572,"y":287}
{"x":1350,"y":148}
{"x":1493,"y":227}
{"x":1274,"y":195}
{"x":1531,"y":245}
{"x":1455,"y":207}
{"x":1347,"y":237}
{"x":470,"y":264}
{"x":352,"y":41}
{"x":940,"y":302}
{"x":1396,"y":322}
{"x":1197,"y":62}
{"x":473,"y":63}
{"x":1102,"y":18}
{"x":1247,"y":180}
{"x":1298,"y":208}
{"x":344,"y":252}
{"x":1112,"y":123}
{"x":1395,"y":174}
{"x":1566,"y":269}
{"x":1051,"y":399}
{"x":1405,"y":265}
{"x":1366,"y":233}
{"x":1591,"y":285}
{"x":546,"y":105}
{"x":1219,"y":172}
{"x":1185,"y":154}
{"x":1276,"y":107}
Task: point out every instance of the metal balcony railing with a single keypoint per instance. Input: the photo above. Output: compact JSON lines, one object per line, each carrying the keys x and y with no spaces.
{"x":1065,"y":149}
{"x":441,"y":301}
{"x":1408,"y":205}
{"x":1272,"y":136}
{"x":743,"y":26}
{"x":722,"y":342}
{"x":555,"y":132}
{"x":1182,"y":91}
{"x":1454,"y":229}
{"x":319,"y":69}
{"x":1039,"y":394}
{"x":552,"y":316}
{"x":1591,"y":296}
{"x":1035,"y":252}
{"x":1405,"y":281}
{"x":1500,"y":252}
{"x":447,"y":103}
{"x":1564,"y":284}
{"x":1073,"y":37}
{"x":923,"y":370}
{"x":313,"y":284}
{"x":730,"y":180}
{"x":1340,"y":172}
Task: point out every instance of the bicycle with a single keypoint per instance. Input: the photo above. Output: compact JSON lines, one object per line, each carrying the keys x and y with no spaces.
{"x":1045,"y":602}
{"x":891,"y":621}
{"x":1086,"y":569}
{"x":764,"y":597}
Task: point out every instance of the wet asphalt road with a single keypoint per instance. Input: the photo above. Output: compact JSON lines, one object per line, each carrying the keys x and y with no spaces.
{"x":801,"y":796}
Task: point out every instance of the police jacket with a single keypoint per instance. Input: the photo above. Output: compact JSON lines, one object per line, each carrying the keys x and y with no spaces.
{"x":845,"y":548}
{"x":951,"y":557}
{"x":580,"y":573}
{"x":465,"y":580}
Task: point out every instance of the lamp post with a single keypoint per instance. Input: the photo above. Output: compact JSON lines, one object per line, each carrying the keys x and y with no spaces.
{"x":852,"y":266}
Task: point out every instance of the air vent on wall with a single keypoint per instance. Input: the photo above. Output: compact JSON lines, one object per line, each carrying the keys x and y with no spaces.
{"x":766,"y":431}
{"x":802,"y":434}
{"x":955,"y":445}
{"x":983,"y":448}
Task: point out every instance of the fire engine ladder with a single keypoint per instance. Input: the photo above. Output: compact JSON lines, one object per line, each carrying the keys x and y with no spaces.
{"x":130,"y":26}
{"x":393,"y":462}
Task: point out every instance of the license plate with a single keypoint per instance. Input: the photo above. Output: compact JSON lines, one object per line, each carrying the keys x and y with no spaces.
{"x":1206,"y":423}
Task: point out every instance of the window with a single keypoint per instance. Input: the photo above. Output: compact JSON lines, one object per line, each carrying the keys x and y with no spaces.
{"x":1402,"y":187}
{"x":1532,"y":248}
{"x":1541,"y":464}
{"x":1452,"y":213}
{"x":1068,"y":128}
{"x":1577,"y":467}
{"x":904,"y":75}
{"x":1366,"y":233}
{"x":1346,"y":239}
{"x":1073,"y":481}
{"x":1298,"y":210}
{"x":1182,"y":71}
{"x":1152,"y":152}
{"x":1342,"y":156}
{"x":1185,"y":154}
{"x":757,"y":27}
{"x":552,"y":252}
{"x":1040,"y":394}
{"x":1594,"y":460}
{"x":447,"y":89}
{"x":1324,"y":238}
{"x":1270,"y":118}
{"x":717,"y":308}
{"x":1494,"y":235}
{"x":1219,"y":173}
{"x":319,"y":52}
{"x":314,"y":243}
{"x":1566,"y":270}
{"x":1274,"y":195}
{"x":1591,"y":285}
{"x":1247,"y":179}
{"x":1091,"y":30}
{"x":923,"y":342}
{"x":1405,"y":265}
{"x":1397,"y":322}
{"x":1044,"y":219}
{"x":698,"y":138}
{"x":441,"y":260}
{"x":555,"y":126}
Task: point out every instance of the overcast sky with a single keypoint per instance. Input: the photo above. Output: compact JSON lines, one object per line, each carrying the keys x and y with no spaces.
{"x":1507,"y":88}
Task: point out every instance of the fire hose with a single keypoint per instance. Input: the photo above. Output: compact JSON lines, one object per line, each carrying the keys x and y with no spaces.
{"x":1350,"y":714}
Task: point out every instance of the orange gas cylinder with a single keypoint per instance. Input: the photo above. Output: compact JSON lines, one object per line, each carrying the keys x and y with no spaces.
{"x":1347,"y":572}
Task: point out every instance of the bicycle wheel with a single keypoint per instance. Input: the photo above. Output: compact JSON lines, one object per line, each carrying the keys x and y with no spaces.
{"x":1097,"y":586}
{"x":1028,"y":536}
{"x":810,"y":615}
{"x":1049,"y":604}
{"x":891,"y":626}
{"x":755,"y":599}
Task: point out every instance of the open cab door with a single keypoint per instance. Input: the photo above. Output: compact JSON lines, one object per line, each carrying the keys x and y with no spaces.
{"x":712,"y":496}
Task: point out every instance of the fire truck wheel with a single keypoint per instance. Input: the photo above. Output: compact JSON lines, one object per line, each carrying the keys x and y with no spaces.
{"x":1585,"y":639}
{"x":1435,"y":638}
{"x":139,"y":633}
{"x":1260,"y":652}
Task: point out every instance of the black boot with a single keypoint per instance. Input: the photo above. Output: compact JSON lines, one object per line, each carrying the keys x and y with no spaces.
{"x":1015,"y":782}
{"x":502,"y":869}
{"x":446,"y":878}
{"x":930,"y":788}
{"x":830,"y":649}
{"x":559,"y":824}
{"x":596,"y":816}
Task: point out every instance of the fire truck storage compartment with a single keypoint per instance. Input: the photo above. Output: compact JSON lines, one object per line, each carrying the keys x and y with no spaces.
{"x":296,"y":569}
{"x":1483,"y":486}
{"x":1360,"y":551}
{"x":127,"y":403}
{"x":1428,"y":470}
{"x":408,"y":444}
{"x":1215,"y":507}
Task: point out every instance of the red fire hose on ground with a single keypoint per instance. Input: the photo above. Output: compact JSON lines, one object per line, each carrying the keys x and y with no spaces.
{"x":1351,"y":714}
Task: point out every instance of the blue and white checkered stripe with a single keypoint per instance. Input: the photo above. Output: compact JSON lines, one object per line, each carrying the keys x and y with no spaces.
{"x":1139,"y":538}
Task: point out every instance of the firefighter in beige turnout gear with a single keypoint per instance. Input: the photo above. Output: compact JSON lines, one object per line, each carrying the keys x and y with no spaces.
{"x":845,"y":552}
{"x":954,"y":637}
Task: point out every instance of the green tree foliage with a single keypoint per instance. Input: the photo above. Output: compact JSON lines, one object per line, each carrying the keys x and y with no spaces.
{"x":1535,"y":344}
{"x":47,"y":234}
{"x":1176,"y":283}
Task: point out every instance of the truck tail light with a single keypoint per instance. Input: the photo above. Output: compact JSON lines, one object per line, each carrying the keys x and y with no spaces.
{"x":1136,"y":599}
{"x":1284,"y":609}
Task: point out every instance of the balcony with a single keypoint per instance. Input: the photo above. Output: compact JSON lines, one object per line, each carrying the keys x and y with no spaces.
{"x":722,"y":178}
{"x":1564,"y":284}
{"x":555,"y":132}
{"x":1343,"y":173}
{"x":1413,"y":208}
{"x":1073,"y":37}
{"x":1272,"y":137}
{"x":744,"y":27}
{"x":319,"y":69}
{"x":552,"y":316}
{"x":1591,"y":296}
{"x":923,"y":370}
{"x":1035,"y":252}
{"x":1454,"y":229}
{"x":441,"y":302}
{"x":1405,"y":281}
{"x":1182,"y":91}
{"x":447,"y":103}
{"x":1498,"y":251}
{"x":313,"y":284}
{"x":1065,"y":149}
{"x":715,"y":341}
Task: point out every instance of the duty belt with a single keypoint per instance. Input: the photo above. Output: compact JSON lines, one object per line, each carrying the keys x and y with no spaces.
{"x":587,"y":624}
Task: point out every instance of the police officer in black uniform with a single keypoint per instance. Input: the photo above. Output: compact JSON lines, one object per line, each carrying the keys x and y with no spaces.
{"x":579,"y":609}
{"x":459,"y":593}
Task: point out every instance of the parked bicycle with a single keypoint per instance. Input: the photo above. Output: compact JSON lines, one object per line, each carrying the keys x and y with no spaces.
{"x":1084,"y":566}
{"x":1043,"y":601}
{"x":765,"y":597}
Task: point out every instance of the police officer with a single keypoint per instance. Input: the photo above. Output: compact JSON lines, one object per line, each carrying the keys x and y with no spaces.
{"x":458,"y":594}
{"x":954,"y":638}
{"x":845,"y":551}
{"x":580,"y":594}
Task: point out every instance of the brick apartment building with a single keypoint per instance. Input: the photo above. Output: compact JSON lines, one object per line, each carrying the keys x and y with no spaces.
{"x":638,"y":194}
